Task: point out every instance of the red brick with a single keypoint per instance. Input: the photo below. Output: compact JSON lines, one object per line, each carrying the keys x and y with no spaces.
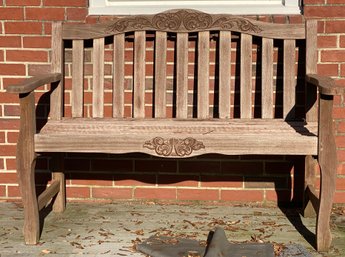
{"x":78,"y":192}
{"x":8,"y":178}
{"x":27,"y":55}
{"x":338,"y":113}
{"x":11,"y":164}
{"x":13,"y":191}
{"x":341,"y":169}
{"x":222,"y":181}
{"x":339,"y":197}
{"x":134,"y":179}
{"x":342,"y":41}
{"x":325,"y":11}
{"x":242,"y":195}
{"x":7,"y":150}
{"x":65,"y":3}
{"x":35,"y":69}
{"x":178,"y":180}
{"x":2,"y":164}
{"x":114,"y":193}
{"x":342,"y":70}
{"x":198,"y":194}
{"x":155,"y":193}
{"x":11,"y":110}
{"x":2,"y":58}
{"x":23,"y":27}
{"x":9,"y":124}
{"x":92,"y":179}
{"x":12,"y":137}
{"x":314,"y":2}
{"x":2,"y":137}
{"x":23,"y":2}
{"x":341,"y":155}
{"x":340,"y":141}
{"x":263,"y":182}
{"x":335,"y":26}
{"x":278,"y":196}
{"x":37,"y":42}
{"x":78,"y":14}
{"x":12,"y":69}
{"x":327,"y":41}
{"x":10,"y":41}
{"x":47,"y":14}
{"x":11,"y":13}
{"x":340,"y":184}
{"x":332,"y":55}
{"x":2,"y":191}
{"x":328,"y":69}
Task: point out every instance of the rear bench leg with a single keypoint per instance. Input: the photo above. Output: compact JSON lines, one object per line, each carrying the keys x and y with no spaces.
{"x":58,"y":174}
{"x":26,"y":160}
{"x":310,"y":201}
{"x":328,"y":164}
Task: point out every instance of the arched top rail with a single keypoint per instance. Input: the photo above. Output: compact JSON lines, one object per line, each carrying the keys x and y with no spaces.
{"x":184,"y":21}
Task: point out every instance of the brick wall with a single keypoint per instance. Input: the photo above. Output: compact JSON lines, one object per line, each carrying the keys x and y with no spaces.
{"x":25,"y":28}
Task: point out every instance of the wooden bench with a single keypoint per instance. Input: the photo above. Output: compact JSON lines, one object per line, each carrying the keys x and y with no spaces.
{"x":180,"y":84}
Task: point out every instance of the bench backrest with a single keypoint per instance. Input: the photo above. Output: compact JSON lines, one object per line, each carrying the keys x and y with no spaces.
{"x":184,"y":64}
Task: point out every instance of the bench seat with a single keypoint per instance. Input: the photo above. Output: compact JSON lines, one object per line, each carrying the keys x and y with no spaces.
{"x":207,"y":136}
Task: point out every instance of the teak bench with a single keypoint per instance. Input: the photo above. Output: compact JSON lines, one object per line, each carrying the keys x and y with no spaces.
{"x":179,"y":84}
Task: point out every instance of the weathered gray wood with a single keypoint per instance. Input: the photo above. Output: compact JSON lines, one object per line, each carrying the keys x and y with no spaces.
{"x":244,"y":136}
{"x":139,"y":75}
{"x":203,"y":74}
{"x":57,"y":66}
{"x":160,"y":74}
{"x":327,"y":153}
{"x":182,"y":75}
{"x":30,"y":84}
{"x":98,"y":78}
{"x":58,"y":169}
{"x":48,"y":194}
{"x":224,"y":74}
{"x":77,"y":78}
{"x":311,"y":68}
{"x":289,"y":79}
{"x":267,"y":78}
{"x":180,"y":21}
{"x":119,"y":76}
{"x":311,"y":202}
{"x":246,"y":76}
{"x":26,"y":160}
{"x":326,"y":85}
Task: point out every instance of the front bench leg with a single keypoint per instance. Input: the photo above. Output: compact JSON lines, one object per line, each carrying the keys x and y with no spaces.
{"x":328,"y":165}
{"x":26,"y":160}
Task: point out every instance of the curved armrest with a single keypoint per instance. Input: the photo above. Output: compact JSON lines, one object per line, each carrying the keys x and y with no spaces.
{"x":32,"y":83}
{"x":326,"y":85}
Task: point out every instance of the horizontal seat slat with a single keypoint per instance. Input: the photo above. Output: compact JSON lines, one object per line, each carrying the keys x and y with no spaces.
{"x":122,"y":136}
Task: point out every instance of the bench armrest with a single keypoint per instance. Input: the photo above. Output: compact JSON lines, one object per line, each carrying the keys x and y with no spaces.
{"x":30,"y":84}
{"x":326,"y":85}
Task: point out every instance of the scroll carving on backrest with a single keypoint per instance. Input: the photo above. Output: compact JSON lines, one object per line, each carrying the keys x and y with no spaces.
{"x":184,"y":21}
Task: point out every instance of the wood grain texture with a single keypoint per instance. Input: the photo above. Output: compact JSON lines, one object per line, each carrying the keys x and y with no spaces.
{"x":246,"y":77}
{"x":224,"y":74}
{"x":139,"y":75}
{"x":57,"y":66}
{"x":310,"y":201}
{"x":311,"y":68}
{"x":267,"y":78}
{"x":203,"y":74}
{"x":160,"y":74}
{"x":58,"y":174}
{"x":326,"y":85}
{"x":181,"y":75}
{"x":26,"y":160}
{"x":98,"y":78}
{"x":119,"y":76}
{"x":77,"y":78}
{"x":289,"y":94}
{"x":48,"y":194}
{"x":184,"y":21}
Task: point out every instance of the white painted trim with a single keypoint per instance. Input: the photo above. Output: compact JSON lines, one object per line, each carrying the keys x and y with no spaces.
{"x":123,"y":7}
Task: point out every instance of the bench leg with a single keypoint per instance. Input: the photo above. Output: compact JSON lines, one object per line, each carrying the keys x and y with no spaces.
{"x":26,"y":160}
{"x":59,"y":175}
{"x":310,"y":201}
{"x":328,"y":164}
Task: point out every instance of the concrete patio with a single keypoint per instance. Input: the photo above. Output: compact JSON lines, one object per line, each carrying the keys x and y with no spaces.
{"x":112,"y":229}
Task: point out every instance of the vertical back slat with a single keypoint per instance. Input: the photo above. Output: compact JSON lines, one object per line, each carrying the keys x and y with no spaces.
{"x":160,"y":74}
{"x":139,"y":75}
{"x":311,"y":68}
{"x":77,"y":78}
{"x":56,"y":97}
{"x":98,"y":78}
{"x":224,"y":73}
{"x":203,"y":74}
{"x":182,"y":75}
{"x":267,"y":78}
{"x":119,"y":76}
{"x":289,"y":79}
{"x":246,"y":76}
